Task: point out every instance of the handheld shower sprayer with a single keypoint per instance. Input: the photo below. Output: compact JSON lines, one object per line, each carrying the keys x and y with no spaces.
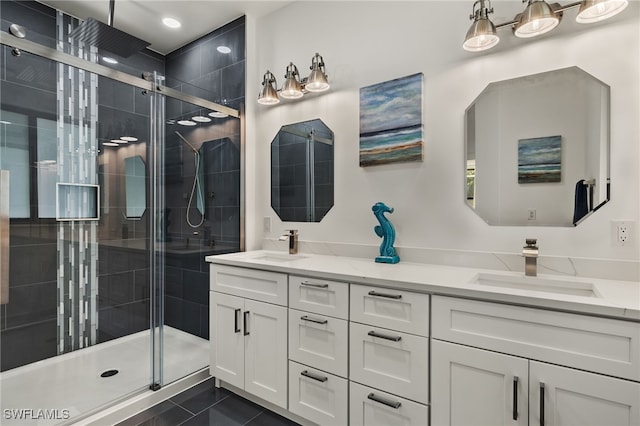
{"x":196,"y":184}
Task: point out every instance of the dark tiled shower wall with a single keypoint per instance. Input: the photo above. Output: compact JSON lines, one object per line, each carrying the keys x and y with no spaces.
{"x":28,"y":324}
{"x":199,"y":69}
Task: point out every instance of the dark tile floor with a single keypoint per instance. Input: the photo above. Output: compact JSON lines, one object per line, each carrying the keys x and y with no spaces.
{"x":204,"y":404}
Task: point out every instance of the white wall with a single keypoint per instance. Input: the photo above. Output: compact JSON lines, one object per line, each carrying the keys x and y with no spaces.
{"x":369,"y":42}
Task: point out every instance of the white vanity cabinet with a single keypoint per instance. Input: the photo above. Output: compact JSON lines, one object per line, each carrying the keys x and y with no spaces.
{"x":388,"y":356}
{"x":318,"y":350}
{"x":249,"y":331}
{"x":473,"y":383}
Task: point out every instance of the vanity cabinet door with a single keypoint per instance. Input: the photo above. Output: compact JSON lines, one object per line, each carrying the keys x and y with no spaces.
{"x":372,"y":407}
{"x":565,"y":397}
{"x":390,"y":360}
{"x":227,"y":339}
{"x":477,"y":387}
{"x":266,"y":351}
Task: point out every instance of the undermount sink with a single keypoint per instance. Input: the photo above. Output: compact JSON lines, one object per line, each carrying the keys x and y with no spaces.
{"x":274,"y":257}
{"x":547,"y":285}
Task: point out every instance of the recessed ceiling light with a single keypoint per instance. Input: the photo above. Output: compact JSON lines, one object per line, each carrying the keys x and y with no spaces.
{"x":118,"y":141}
{"x":109,"y":60}
{"x":186,"y":123}
{"x":223,"y":49}
{"x":110,"y":144}
{"x":171,"y":23}
{"x":218,"y":114}
{"x":201,"y":119}
{"x":129,"y":138}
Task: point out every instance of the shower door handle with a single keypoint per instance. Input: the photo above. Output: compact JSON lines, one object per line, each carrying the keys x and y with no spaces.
{"x":4,"y":237}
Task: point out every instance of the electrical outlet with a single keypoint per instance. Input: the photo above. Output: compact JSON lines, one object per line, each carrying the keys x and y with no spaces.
{"x":532,"y":214}
{"x":623,"y":232}
{"x":266,"y":224}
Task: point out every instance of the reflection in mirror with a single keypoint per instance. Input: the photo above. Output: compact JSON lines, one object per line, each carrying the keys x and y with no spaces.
{"x":135,"y":187}
{"x":302,"y":171}
{"x":537,"y":149}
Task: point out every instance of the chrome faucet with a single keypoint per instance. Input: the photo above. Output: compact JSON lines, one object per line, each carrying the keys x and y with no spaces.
{"x":530,"y":253}
{"x":292,"y":236}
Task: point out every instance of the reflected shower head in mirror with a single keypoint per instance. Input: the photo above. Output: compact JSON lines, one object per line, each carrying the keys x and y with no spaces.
{"x":196,"y":184}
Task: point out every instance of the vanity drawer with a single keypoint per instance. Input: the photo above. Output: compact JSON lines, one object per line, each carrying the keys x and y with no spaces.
{"x":319,"y":341}
{"x":319,"y":296}
{"x":601,"y":345}
{"x":388,"y":308}
{"x":317,"y":396}
{"x":372,"y":407}
{"x":390,"y":360}
{"x":264,"y":286}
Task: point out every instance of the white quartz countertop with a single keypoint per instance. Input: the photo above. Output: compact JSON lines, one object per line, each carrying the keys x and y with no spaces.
{"x":593,"y":296}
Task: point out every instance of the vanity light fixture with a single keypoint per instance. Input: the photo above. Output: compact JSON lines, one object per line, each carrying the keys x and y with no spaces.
{"x":268,"y":95}
{"x":294,"y":87}
{"x":538,"y":18}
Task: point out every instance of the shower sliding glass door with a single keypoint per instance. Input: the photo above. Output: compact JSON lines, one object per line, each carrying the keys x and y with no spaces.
{"x":112,"y":203}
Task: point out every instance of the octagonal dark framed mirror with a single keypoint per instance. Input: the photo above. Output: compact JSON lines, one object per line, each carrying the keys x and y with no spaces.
{"x":302,"y":179}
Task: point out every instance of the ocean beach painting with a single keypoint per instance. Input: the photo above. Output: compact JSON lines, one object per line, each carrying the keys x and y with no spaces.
{"x":391,"y":121}
{"x":540,"y":160}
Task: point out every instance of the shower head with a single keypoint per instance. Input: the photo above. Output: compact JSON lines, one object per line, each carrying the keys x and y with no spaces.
{"x":106,"y":37}
{"x":187,"y":142}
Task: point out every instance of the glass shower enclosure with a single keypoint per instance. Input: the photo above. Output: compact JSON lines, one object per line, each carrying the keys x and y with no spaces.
{"x":108,"y":204}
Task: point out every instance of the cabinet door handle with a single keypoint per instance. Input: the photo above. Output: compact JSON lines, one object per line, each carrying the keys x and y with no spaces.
{"x":387,"y":295}
{"x":310,"y":375}
{"x":311,"y":319}
{"x":388,"y":403}
{"x":515,"y":397}
{"x":309,"y":284}
{"x":541,"y":404}
{"x":236,"y":321}
{"x":385,"y":336}
{"x":246,"y":323}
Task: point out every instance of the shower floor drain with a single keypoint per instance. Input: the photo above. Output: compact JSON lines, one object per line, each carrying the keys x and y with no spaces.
{"x":109,"y":373}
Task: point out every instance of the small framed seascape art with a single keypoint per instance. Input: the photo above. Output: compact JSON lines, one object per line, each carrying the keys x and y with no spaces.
{"x":391,"y":128}
{"x":540,"y":160}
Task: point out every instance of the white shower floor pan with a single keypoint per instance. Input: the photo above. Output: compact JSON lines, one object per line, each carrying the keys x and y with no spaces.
{"x":62,"y":388}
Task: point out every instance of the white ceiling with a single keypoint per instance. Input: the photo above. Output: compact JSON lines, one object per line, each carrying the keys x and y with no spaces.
{"x":142,"y":18}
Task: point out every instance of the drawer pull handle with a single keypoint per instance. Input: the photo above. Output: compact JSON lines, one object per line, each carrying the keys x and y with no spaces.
{"x":322,"y":379}
{"x":308,"y":284}
{"x":388,"y":403}
{"x":388,"y":296}
{"x":515,"y":398}
{"x":541,"y":404}
{"x":311,"y":319}
{"x":236,"y":321}
{"x":385,"y":336}
{"x":246,"y":323}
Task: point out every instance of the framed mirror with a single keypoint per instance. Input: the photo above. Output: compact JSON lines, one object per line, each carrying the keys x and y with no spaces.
{"x":135,"y":187}
{"x":302,"y":171}
{"x":537,"y":149}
